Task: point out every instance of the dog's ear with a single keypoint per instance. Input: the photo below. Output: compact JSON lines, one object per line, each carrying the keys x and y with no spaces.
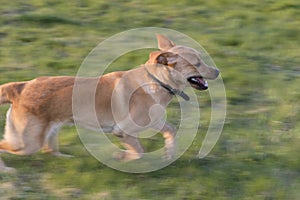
{"x":164,"y":43}
{"x":163,"y":58}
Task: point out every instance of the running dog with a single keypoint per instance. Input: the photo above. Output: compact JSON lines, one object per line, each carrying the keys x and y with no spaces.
{"x":123,"y":103}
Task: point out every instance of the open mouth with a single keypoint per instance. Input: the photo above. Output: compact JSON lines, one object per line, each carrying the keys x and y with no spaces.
{"x":198,"y":82}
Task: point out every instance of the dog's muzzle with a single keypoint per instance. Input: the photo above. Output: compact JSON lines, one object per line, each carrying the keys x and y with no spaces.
{"x":198,"y":83}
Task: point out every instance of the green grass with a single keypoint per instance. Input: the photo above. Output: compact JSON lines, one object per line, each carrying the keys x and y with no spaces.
{"x":256,"y":46}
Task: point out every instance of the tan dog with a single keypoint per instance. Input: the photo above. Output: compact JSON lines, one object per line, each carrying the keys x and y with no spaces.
{"x":40,"y":106}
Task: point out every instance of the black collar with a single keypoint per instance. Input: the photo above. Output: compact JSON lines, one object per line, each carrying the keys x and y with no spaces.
{"x":171,"y":90}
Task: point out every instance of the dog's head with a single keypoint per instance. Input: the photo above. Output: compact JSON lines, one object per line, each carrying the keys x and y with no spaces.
{"x":185,"y":60}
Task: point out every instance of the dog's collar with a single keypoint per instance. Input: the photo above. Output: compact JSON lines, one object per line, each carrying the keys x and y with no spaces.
{"x":171,"y":90}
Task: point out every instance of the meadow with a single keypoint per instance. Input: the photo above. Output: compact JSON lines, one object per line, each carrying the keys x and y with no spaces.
{"x":256,"y":46}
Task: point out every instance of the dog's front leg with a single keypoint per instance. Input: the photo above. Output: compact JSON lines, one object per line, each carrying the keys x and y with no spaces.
{"x":133,"y":151}
{"x":169,"y":134}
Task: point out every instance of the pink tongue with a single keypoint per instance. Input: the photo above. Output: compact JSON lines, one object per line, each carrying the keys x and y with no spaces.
{"x":201,"y":81}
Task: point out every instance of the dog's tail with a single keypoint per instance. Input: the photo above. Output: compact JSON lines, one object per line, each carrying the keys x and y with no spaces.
{"x":10,"y":91}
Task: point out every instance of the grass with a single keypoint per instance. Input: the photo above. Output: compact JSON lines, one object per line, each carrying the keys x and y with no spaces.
{"x":256,"y":46}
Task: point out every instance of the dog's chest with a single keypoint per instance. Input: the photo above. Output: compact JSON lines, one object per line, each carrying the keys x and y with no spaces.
{"x":152,"y":89}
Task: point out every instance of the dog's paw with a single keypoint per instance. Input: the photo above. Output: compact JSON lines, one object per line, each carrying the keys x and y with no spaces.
{"x":169,"y":153}
{"x":7,"y":169}
{"x":58,"y":154}
{"x":126,"y":156}
{"x":168,"y":156}
{"x":119,"y":156}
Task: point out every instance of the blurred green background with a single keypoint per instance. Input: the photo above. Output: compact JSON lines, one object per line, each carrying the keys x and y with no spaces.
{"x":255,"y":44}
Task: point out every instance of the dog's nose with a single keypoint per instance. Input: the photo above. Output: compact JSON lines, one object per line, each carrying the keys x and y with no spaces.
{"x":217,"y":72}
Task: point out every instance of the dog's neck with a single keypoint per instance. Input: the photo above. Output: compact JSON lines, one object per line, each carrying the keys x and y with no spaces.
{"x":159,"y":77}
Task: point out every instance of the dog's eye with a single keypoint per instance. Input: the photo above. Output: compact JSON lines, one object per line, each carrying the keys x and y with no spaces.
{"x":197,"y":64}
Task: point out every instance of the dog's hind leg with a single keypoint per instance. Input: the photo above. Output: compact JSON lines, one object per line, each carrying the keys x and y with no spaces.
{"x":12,"y":140}
{"x":51,"y":141}
{"x":23,"y":136}
{"x":4,"y":168}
